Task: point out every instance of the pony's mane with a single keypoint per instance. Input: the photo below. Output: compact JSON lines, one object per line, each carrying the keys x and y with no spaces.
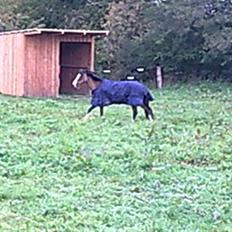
{"x":93,"y":75}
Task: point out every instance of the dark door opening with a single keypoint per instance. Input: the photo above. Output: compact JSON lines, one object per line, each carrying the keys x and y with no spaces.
{"x":73,"y":57}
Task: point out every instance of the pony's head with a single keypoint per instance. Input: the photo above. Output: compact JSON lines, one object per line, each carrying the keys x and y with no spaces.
{"x":83,"y":76}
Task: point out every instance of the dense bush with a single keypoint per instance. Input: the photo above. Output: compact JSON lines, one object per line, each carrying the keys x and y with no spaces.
{"x":190,"y":39}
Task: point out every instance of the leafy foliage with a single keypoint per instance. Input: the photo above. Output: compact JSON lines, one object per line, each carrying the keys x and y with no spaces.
{"x":190,"y":39}
{"x":178,"y":34}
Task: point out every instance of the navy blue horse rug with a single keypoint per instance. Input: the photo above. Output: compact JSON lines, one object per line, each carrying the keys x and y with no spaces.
{"x":120,"y":92}
{"x":107,"y":92}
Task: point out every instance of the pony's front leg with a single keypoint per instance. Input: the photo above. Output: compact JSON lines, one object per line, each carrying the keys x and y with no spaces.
{"x":101,"y":111}
{"x":135,"y":112}
{"x":86,"y":117}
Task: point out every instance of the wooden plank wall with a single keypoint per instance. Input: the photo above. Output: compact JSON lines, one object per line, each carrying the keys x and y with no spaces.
{"x":41,"y":72}
{"x":42,"y":66}
{"x":12,"y":64}
{"x":92,"y":55}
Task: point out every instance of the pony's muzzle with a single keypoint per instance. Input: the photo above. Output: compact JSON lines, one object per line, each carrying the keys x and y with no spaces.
{"x":75,"y":85}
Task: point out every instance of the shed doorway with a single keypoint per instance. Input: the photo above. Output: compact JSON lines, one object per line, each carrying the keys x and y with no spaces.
{"x":73,"y":57}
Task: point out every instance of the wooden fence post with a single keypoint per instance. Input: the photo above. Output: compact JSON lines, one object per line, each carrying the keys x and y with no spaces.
{"x":159,"y":77}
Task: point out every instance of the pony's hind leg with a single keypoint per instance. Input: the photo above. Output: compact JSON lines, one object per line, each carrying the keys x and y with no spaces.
{"x":148,"y":112}
{"x":151,"y":113}
{"x":135,"y":112}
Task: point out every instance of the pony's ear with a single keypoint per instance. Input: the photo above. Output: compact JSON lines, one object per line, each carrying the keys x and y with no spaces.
{"x":82,"y":71}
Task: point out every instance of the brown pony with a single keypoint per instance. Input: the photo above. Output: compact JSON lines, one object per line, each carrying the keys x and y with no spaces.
{"x":107,"y":92}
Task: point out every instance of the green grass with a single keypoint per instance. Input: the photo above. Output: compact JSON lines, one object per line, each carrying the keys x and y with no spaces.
{"x":60,"y":173}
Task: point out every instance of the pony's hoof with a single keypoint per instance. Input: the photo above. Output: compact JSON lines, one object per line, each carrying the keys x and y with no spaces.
{"x":86,"y":117}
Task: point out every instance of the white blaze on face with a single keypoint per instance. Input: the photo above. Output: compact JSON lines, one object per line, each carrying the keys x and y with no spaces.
{"x":75,"y":81}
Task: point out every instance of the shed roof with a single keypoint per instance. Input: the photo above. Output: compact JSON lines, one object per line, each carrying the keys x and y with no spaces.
{"x":37,"y":31}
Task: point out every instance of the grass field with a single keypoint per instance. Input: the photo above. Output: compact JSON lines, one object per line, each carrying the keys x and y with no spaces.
{"x":60,"y":173}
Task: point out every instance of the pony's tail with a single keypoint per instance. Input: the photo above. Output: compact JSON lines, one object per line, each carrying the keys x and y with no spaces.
{"x":149,"y":97}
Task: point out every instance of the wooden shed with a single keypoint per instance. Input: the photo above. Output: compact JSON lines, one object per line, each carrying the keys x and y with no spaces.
{"x":43,"y":62}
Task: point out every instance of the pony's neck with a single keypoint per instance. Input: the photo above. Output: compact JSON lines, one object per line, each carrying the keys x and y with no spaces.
{"x":92,"y":84}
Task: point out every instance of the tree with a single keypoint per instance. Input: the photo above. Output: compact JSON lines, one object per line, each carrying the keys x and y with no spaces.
{"x":123,"y":20}
{"x":188,"y":37}
{"x":180,"y":34}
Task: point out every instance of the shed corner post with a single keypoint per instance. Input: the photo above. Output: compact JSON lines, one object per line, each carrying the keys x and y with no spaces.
{"x":92,"y":55}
